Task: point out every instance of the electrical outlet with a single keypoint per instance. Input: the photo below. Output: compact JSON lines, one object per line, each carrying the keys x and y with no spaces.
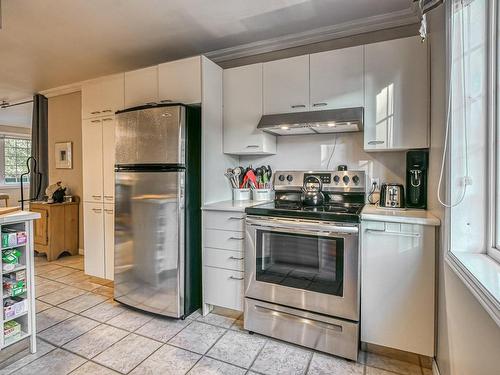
{"x":376,"y":181}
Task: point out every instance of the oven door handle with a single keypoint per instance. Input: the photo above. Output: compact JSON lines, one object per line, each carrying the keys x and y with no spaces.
{"x":318,"y":233}
{"x":388,"y":233}
{"x":298,"y":226}
{"x":287,"y":315}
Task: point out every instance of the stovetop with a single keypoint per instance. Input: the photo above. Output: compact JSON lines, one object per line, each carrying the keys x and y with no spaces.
{"x":347,"y":212}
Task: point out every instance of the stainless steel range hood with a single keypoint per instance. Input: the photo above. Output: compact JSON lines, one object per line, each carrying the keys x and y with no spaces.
{"x":314,"y":122}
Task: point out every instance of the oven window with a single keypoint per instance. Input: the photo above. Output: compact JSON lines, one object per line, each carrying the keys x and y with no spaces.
{"x":301,"y":261}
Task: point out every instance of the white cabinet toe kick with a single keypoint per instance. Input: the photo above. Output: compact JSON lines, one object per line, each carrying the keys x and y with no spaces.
{"x":318,"y":332}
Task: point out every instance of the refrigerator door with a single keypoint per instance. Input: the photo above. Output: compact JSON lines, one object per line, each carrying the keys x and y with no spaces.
{"x":153,"y":135}
{"x":149,"y":240}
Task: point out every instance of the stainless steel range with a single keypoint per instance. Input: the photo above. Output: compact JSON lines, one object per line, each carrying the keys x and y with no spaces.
{"x":302,"y":261}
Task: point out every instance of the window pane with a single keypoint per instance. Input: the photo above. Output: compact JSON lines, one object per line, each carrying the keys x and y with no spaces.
{"x":16,"y":152}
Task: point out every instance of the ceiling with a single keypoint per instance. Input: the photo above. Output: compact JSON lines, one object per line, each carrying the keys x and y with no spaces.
{"x":50,"y":43}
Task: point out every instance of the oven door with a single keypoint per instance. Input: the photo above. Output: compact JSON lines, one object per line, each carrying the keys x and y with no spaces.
{"x":303,"y":264}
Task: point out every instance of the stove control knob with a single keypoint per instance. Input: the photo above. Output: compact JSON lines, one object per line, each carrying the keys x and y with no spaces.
{"x":281,"y":177}
{"x":289,"y":178}
{"x":355,"y":179}
{"x":345,"y":179}
{"x":336,"y":179}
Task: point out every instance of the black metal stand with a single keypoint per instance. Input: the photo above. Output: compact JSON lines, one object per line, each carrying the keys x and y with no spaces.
{"x":38,"y":181}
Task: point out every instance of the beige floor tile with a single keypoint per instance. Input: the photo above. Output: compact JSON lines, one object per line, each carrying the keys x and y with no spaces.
{"x":45,"y":268}
{"x":279,"y":358}
{"x":85,"y":285}
{"x":41,"y":306}
{"x":105,"y":291}
{"x":58,"y":273}
{"x":67,"y":330}
{"x":237,"y":348}
{"x":390,"y":364}
{"x":58,"y":362}
{"x":51,"y":317}
{"x":91,"y":368}
{"x":47,"y":287}
{"x":209,"y":366}
{"x":104,"y":311}
{"x":98,"y":280}
{"x":218,"y":320}
{"x":323,"y":364}
{"x":82,"y":303}
{"x":130,"y":320}
{"x":197,"y":337}
{"x":62,"y":295}
{"x":24,"y":357}
{"x":167,"y":360}
{"x":127,"y":353}
{"x":162,"y":329}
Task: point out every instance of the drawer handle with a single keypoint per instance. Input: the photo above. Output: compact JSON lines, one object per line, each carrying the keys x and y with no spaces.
{"x":298,"y":106}
{"x":376,"y":142}
{"x":95,"y":121}
{"x":95,"y":112}
{"x":235,"y":258}
{"x":96,"y":196}
{"x":387,"y":233}
{"x":236,"y":238}
{"x":166,"y":101}
{"x":310,"y":321}
{"x":108,"y":211}
{"x":108,"y":197}
{"x":319,"y":104}
{"x":236,"y":278}
{"x":97,"y":210}
{"x":106,"y":110}
{"x":236,"y":218}
{"x":107,"y":119}
{"x":252,"y":146}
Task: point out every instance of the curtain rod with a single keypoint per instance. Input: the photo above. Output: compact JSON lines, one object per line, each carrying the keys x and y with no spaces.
{"x":4,"y":105}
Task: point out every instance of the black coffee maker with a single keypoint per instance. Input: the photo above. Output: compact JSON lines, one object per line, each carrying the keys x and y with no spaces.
{"x":417,"y":164}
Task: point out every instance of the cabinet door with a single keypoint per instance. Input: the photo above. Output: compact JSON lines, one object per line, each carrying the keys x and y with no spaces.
{"x":397,"y":281}
{"x":242,"y":112}
{"x":337,"y":79}
{"x":41,"y":236}
{"x":223,"y":288}
{"x":180,"y":81}
{"x":92,"y":160}
{"x":396,"y":95}
{"x":91,"y":99}
{"x":108,"y":159}
{"x":286,"y":85}
{"x":141,"y":87}
{"x":109,"y":240}
{"x":70,"y":227}
{"x":93,"y":227}
{"x":112,"y":95}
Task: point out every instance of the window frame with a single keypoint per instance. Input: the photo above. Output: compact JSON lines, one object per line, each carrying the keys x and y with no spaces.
{"x":3,"y":137}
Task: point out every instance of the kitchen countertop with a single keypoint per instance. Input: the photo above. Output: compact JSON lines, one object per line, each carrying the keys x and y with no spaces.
{"x":236,"y":206}
{"x":16,"y":216}
{"x":406,"y":216}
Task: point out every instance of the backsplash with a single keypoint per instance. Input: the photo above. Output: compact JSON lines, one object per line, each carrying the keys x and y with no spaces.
{"x":315,"y":152}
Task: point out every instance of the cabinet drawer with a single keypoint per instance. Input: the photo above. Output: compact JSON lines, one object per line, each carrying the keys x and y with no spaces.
{"x":223,"y":288}
{"x":224,"y":220}
{"x":223,"y":239}
{"x":227,"y":259}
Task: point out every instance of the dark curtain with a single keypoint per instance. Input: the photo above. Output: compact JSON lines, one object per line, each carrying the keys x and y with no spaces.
{"x":40,"y":144}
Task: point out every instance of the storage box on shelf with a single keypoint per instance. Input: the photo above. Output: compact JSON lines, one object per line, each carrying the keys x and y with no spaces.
{"x":18,"y":315}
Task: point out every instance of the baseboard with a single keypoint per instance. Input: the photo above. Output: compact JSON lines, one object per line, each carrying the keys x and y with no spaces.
{"x":435,"y":369}
{"x":80,"y":251}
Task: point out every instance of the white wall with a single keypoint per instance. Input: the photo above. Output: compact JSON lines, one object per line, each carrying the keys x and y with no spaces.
{"x":468,"y":340}
{"x":314,"y":151}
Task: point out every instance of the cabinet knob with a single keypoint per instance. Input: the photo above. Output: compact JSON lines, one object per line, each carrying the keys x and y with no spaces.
{"x":375,"y":142}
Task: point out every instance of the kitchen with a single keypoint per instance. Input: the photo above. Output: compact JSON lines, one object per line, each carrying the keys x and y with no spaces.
{"x":274,"y":211}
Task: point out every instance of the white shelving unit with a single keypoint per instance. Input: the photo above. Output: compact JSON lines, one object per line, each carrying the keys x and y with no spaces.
{"x":20,"y":222}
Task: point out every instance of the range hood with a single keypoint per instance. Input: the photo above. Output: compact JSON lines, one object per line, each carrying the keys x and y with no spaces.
{"x":313,"y":122}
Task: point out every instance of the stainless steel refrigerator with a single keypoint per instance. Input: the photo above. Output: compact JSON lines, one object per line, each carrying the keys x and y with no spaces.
{"x":157,"y":209}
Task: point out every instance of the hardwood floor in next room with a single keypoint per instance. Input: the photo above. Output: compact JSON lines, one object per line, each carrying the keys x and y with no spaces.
{"x":81,"y":330}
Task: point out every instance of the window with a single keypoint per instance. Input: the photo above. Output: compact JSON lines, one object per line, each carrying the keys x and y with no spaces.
{"x":14,"y":151}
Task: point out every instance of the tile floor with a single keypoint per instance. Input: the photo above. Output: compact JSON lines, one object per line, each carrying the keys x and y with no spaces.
{"x":82,"y":331}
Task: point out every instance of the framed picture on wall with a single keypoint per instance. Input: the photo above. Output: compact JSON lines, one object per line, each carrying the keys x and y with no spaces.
{"x":64,"y":155}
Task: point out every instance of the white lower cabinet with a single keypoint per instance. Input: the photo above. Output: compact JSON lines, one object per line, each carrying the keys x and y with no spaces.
{"x":223,"y":260}
{"x":398,"y":286}
{"x":93,"y":226}
{"x":98,"y":227}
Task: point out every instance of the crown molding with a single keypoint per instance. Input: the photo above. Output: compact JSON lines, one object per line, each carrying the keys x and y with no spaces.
{"x":62,"y":90}
{"x":369,"y":24}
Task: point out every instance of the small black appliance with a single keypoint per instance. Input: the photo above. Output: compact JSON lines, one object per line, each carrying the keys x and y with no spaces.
{"x":417,"y":164}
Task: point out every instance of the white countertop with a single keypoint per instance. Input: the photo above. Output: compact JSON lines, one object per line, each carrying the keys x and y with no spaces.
{"x":16,"y":216}
{"x":395,"y":215}
{"x":236,"y":206}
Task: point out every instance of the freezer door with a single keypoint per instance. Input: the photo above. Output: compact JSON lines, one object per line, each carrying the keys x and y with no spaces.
{"x":151,"y":136}
{"x":149,"y":241}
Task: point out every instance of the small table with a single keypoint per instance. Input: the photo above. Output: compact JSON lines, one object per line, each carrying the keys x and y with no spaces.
{"x":5,"y":197}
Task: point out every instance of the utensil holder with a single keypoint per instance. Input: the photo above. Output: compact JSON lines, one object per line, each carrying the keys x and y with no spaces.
{"x":241,"y":194}
{"x":262,"y":194}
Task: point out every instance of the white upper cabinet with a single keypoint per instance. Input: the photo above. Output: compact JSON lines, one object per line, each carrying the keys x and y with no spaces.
{"x":141,"y":87}
{"x":286,"y":85}
{"x":396,"y":95}
{"x":103,"y":96}
{"x":92,"y":160}
{"x":242,"y":112}
{"x":108,"y":159}
{"x":337,"y":79}
{"x":180,"y":81}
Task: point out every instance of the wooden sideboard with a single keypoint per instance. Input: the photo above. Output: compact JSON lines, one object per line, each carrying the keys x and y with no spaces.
{"x":57,"y":229}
